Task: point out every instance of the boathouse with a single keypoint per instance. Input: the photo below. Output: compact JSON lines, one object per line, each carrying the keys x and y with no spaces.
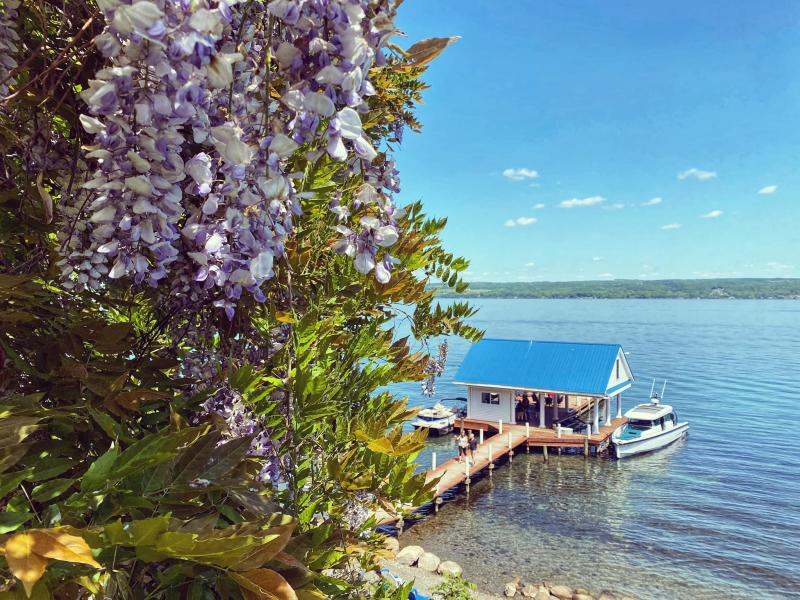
{"x":561,"y":380}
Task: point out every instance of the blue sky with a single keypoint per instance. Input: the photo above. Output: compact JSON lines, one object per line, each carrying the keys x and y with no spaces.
{"x":621,"y":139}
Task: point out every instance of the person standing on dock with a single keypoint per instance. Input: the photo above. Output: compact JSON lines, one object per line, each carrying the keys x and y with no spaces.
{"x":463,"y":444}
{"x":473,"y":446}
{"x":532,"y":400}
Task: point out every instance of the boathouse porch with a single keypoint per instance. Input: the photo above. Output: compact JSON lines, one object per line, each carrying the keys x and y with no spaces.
{"x":566,"y":387}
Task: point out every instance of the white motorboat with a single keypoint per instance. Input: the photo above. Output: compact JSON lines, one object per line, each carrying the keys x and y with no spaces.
{"x":437,"y":419}
{"x":650,"y":427}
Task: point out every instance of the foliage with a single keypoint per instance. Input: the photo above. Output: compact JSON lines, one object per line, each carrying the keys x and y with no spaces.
{"x":454,"y":588}
{"x":629,"y":288}
{"x":164,"y":438}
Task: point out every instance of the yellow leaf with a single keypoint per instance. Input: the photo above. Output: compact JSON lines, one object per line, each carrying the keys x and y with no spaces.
{"x":263,"y":584}
{"x":425,"y":51}
{"x":58,"y":545}
{"x":24,"y":563}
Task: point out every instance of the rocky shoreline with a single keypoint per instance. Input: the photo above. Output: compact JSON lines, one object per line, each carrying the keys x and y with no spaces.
{"x":428,"y":570}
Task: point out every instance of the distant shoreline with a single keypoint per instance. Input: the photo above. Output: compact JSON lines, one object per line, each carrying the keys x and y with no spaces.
{"x":689,"y":289}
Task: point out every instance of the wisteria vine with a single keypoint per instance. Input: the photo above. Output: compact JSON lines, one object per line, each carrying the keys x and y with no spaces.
{"x":197,"y":120}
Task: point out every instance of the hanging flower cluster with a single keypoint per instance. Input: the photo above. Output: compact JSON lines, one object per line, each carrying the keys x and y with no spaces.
{"x":8,"y":43}
{"x":434,"y":368}
{"x":197,"y":119}
{"x":227,"y":404}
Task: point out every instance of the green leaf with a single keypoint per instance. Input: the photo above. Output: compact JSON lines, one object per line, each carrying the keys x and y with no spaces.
{"x":11,"y":480}
{"x":10,"y":456}
{"x":15,"y":429}
{"x":11,"y":521}
{"x":152,"y":450}
{"x":51,"y":489}
{"x":98,"y":473}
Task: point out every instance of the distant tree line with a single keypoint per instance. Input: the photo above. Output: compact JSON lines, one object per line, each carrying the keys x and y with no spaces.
{"x":752,"y":288}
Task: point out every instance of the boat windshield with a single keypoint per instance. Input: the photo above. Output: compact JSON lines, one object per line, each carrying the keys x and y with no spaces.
{"x":639,"y":424}
{"x":428,"y":418}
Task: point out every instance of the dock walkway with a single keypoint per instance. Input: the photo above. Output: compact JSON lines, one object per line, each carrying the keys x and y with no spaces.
{"x":452,"y":472}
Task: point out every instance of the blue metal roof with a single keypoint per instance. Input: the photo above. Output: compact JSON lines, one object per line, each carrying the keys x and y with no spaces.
{"x":567,"y":367}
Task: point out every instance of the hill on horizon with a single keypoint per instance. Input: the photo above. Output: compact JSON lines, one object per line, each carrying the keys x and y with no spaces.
{"x":742,"y":288}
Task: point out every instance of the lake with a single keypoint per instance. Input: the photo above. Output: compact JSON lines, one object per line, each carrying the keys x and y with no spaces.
{"x":714,"y":516}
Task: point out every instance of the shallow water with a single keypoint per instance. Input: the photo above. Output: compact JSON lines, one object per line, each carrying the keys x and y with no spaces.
{"x":715,"y":516}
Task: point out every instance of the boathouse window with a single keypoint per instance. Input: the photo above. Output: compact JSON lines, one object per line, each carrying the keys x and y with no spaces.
{"x":617,"y":368}
{"x":490,"y":398}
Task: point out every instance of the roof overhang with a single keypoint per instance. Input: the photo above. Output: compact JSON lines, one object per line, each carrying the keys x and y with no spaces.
{"x":619,"y":388}
{"x":527,"y":389}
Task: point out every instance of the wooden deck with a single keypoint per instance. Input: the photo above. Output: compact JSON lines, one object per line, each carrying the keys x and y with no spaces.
{"x":453,"y":473}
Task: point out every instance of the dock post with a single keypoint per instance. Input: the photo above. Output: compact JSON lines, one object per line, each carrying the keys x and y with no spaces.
{"x":544,"y":453}
{"x":481,"y":435}
{"x":466,"y":473}
{"x":619,"y":406}
{"x":558,"y":430}
{"x":500,"y":426}
{"x":510,"y":451}
{"x":586,"y":447}
{"x":491,"y":463}
{"x":437,"y":501}
{"x":527,"y":430}
{"x":433,"y":461}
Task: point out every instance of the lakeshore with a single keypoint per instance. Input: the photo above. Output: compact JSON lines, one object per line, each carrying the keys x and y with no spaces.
{"x":708,"y":518}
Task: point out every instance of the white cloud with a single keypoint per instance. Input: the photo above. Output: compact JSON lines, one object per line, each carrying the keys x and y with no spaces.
{"x":606,"y":275}
{"x":520,"y":174}
{"x":653,"y":201}
{"x":672,"y":226}
{"x":530,"y":264}
{"x":712,"y":214}
{"x":770,"y":189}
{"x":520,"y":221}
{"x":699,"y":174}
{"x":597,"y":258}
{"x":590,"y":201}
{"x":777,"y":267}
{"x":615,"y":206}
{"x":538,"y":206}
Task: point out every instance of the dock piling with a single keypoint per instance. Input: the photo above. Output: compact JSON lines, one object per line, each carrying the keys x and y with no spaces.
{"x":480,"y":433}
{"x":544,"y":453}
{"x":433,"y":461}
{"x":500,"y":426}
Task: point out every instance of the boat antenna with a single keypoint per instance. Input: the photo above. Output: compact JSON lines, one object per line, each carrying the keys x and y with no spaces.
{"x":663,"y":388}
{"x":653,"y":387}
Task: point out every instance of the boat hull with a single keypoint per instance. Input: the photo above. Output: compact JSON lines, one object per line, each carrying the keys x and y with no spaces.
{"x":435,"y":431}
{"x":626,"y":448}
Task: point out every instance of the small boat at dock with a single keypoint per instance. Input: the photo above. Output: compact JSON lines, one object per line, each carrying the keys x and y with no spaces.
{"x":438,"y":419}
{"x":649,"y":427}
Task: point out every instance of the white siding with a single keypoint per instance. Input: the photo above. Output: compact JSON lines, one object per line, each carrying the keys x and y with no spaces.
{"x":490,"y":412}
{"x":624,"y":371}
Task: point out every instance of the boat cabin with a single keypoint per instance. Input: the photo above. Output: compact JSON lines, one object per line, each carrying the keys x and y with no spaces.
{"x":544,"y":383}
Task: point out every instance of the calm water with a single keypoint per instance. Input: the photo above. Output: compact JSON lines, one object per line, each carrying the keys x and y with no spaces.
{"x":715,"y":516}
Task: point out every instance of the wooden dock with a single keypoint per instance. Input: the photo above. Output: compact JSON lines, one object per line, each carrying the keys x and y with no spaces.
{"x":452,"y":473}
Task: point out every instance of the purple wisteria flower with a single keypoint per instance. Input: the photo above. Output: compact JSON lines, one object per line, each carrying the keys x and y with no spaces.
{"x":193,"y":190}
{"x":8,"y":44}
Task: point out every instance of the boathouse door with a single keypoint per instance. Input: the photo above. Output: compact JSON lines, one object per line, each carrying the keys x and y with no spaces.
{"x":490,"y":404}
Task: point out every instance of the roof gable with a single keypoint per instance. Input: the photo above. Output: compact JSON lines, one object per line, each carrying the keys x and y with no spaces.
{"x":568,"y":367}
